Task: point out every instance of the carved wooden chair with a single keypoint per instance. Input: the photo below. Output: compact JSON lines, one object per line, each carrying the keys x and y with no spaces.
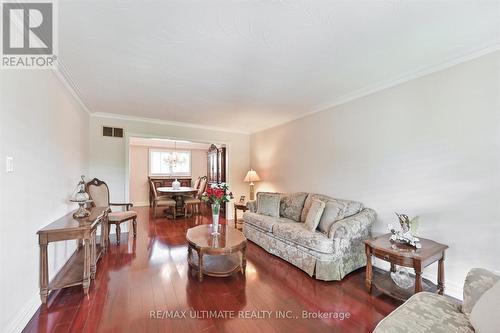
{"x":197,"y":182}
{"x":194,"y":204}
{"x":162,"y":201}
{"x":99,"y":193}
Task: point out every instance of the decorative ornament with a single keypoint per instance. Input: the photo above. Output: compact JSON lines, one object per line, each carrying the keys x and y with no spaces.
{"x":406,"y":234}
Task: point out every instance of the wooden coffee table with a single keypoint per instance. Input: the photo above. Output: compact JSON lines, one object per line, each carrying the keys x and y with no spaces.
{"x":220,"y":255}
{"x":404,"y":255}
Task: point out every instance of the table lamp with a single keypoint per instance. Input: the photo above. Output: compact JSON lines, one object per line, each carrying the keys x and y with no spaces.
{"x":251,"y":177}
{"x":82,"y":198}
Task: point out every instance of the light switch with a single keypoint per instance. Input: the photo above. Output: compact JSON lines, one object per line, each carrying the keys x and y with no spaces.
{"x":9,"y":164}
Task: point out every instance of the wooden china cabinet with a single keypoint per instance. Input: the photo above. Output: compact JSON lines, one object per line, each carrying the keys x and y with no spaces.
{"x":216,"y":168}
{"x":216,"y":165}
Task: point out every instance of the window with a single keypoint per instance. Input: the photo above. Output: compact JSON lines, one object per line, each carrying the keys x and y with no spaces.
{"x":163,"y":162}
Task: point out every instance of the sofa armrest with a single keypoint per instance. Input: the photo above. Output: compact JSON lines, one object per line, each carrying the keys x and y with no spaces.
{"x":252,"y":206}
{"x":354,"y":226}
{"x":478,"y":281}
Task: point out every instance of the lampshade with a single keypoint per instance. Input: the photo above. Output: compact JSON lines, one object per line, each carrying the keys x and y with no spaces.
{"x":252,"y":176}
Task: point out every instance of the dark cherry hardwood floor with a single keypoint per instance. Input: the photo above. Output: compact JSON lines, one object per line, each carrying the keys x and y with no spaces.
{"x":151,"y":274}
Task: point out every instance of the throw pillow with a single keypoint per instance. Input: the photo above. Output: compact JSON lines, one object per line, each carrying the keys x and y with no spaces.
{"x":331,"y":214}
{"x":268,"y":204}
{"x":349,"y":207}
{"x":291,"y":205}
{"x":314,"y":215}
{"x":485,"y":316}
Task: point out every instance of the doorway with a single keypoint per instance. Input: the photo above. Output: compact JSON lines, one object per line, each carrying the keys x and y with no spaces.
{"x":152,"y":158}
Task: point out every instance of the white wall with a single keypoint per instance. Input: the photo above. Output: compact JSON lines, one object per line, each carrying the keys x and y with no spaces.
{"x":139,"y":171}
{"x":108,"y":156}
{"x":428,"y":147}
{"x":46,"y":132}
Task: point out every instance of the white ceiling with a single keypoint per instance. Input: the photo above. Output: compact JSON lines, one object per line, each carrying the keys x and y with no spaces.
{"x":249,"y":65}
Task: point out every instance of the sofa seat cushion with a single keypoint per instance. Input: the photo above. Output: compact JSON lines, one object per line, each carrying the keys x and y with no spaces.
{"x":426,"y":313}
{"x":263,"y":222}
{"x":297,"y":233}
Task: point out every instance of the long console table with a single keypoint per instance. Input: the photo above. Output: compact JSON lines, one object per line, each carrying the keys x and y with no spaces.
{"x":81,"y":266}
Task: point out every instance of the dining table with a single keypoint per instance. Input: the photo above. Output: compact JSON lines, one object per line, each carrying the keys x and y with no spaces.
{"x":178,"y":195}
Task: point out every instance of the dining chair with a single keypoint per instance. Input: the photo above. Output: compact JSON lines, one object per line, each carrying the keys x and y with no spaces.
{"x":162,"y":201}
{"x":197,"y":183}
{"x":194,"y":203}
{"x":99,"y":194}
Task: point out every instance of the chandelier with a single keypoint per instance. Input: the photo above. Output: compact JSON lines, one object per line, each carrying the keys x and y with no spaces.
{"x":173,"y":158}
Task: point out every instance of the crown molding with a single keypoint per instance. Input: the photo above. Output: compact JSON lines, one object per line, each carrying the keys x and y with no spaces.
{"x":164,"y":122}
{"x":386,"y":84}
{"x":70,"y":85}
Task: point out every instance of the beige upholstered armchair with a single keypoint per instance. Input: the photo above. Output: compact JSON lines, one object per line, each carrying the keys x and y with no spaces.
{"x":161,"y":201}
{"x":195,"y":203}
{"x":99,"y":193}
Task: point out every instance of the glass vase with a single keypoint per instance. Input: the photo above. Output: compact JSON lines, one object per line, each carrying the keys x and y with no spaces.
{"x":215,"y":218}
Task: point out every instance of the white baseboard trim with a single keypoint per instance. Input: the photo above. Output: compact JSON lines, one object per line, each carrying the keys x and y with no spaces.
{"x":19,"y":322}
{"x":451,"y":288}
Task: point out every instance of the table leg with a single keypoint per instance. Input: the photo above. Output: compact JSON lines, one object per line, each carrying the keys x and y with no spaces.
{"x":86,"y":266}
{"x":369,"y":269}
{"x":235,"y":216}
{"x":93,"y":254}
{"x":393,"y":267}
{"x":104,"y":233}
{"x":44,"y":273}
{"x":418,"y":278}
{"x":190,"y":255}
{"x":244,"y":260}
{"x":200,"y":265}
{"x":441,"y":275}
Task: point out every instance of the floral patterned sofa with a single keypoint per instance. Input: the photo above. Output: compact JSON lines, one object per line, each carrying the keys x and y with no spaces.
{"x":325,"y":254}
{"x":432,"y":313}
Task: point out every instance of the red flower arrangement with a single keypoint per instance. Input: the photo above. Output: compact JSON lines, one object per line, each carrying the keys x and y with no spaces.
{"x":217,"y":194}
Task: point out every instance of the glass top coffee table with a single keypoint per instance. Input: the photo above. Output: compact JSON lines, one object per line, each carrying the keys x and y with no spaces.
{"x":216,"y":255}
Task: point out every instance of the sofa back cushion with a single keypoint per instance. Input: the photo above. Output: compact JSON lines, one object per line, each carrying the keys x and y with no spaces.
{"x":291,"y":205}
{"x":347,"y":207}
{"x":268,"y":204}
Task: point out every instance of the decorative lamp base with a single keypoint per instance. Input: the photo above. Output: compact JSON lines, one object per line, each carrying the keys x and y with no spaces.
{"x":252,"y":192}
{"x":81,"y":212}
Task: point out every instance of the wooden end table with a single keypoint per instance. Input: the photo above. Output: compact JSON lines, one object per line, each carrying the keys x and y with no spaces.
{"x":404,"y":255}
{"x":239,"y":206}
{"x":220,"y":255}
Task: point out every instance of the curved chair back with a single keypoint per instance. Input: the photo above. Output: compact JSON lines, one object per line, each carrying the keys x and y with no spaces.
{"x":153,"y":189}
{"x":197,"y":183}
{"x":201,"y":189}
{"x":98,"y":192}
